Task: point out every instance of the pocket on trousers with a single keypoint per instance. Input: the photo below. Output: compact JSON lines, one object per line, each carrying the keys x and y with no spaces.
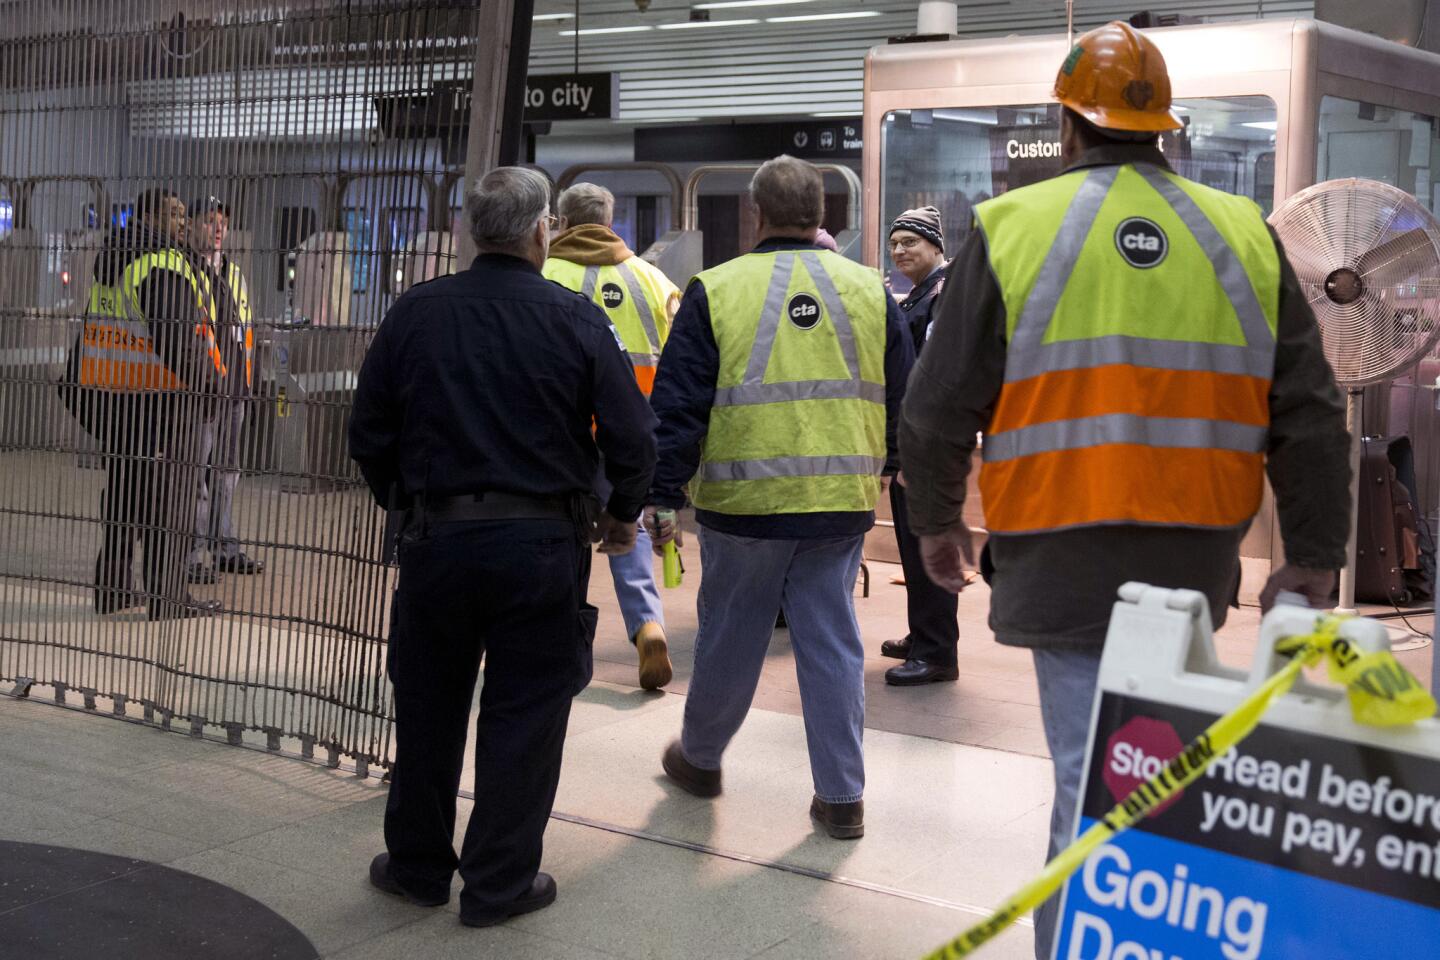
{"x":588,"y":617}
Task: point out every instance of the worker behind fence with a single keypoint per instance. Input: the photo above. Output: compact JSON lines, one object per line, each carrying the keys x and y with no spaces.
{"x":640,"y":301}
{"x":1139,"y":354}
{"x":141,"y":380}
{"x":219,"y":442}
{"x":778,"y":393}
{"x":474,"y":410}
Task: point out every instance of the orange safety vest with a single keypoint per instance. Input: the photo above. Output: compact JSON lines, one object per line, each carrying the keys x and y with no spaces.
{"x":1141,"y":316}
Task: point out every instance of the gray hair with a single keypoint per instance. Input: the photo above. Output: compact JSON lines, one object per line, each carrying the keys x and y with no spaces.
{"x":789,"y":193}
{"x":587,"y":203}
{"x":504,"y":206}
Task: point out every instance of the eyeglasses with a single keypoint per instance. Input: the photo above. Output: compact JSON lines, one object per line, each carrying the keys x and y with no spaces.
{"x":906,"y":243}
{"x":552,"y":222}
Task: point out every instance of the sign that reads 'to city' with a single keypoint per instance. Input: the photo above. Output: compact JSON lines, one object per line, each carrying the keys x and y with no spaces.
{"x":572,"y":96}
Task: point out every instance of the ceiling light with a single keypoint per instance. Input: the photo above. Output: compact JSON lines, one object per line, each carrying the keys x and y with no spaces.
{"x":688,"y":24}
{"x":724,"y":4}
{"x":837,"y":113}
{"x":592,"y":31}
{"x":663,"y":120}
{"x":1260,"y":125}
{"x":552,"y":16}
{"x":847,"y":15}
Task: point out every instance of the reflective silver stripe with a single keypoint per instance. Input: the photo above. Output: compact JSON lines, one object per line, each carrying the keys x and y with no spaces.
{"x":644,"y":359}
{"x":1060,"y":260}
{"x":834,"y":306}
{"x":754,"y":390}
{"x":1233,"y":278}
{"x":838,"y":466}
{"x":1138,"y":352}
{"x":587,"y":286}
{"x":642,"y":305}
{"x":752,"y":393}
{"x":1123,"y":428}
{"x":769,"y":318}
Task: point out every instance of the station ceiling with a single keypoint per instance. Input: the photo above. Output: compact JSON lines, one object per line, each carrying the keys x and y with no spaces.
{"x":758,"y":60}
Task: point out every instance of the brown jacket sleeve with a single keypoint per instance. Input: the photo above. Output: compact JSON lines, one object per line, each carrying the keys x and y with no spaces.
{"x":953,"y":390}
{"x":1308,"y":455}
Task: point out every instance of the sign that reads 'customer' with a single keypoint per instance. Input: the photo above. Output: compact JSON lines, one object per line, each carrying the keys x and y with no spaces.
{"x":572,"y":96}
{"x":1291,"y":845}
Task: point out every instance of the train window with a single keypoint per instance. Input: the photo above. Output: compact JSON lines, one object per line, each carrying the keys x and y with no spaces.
{"x":1380,"y":143}
{"x":293,"y":226}
{"x":7,"y":217}
{"x":955,"y":158}
{"x":359,"y":228}
{"x":401,"y":226}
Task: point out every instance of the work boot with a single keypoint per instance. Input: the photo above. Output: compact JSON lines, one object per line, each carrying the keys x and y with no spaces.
{"x":540,"y":895}
{"x":913,"y":672}
{"x":687,"y":776}
{"x":896,"y":649}
{"x":199,"y":573}
{"x":655,"y":669}
{"x":382,"y":879}
{"x":843,"y":821}
{"x":240,"y":564}
{"x":183,"y":609}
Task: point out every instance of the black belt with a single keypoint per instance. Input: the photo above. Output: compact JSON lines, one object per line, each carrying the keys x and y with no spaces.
{"x":490,"y":506}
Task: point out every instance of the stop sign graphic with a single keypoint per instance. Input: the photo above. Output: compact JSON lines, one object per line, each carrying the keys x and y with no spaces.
{"x":1138,"y":751}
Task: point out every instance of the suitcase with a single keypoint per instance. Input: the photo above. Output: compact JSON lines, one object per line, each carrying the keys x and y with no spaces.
{"x":1387,"y":531}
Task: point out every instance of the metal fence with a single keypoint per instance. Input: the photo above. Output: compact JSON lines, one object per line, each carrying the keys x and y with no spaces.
{"x":331,"y":138}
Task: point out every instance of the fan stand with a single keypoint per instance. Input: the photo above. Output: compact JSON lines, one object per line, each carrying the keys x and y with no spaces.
{"x":1347,"y":575}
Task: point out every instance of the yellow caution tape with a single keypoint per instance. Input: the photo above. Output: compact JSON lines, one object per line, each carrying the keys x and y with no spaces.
{"x":1381,"y":691}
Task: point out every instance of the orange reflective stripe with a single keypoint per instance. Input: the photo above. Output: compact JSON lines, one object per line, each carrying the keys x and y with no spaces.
{"x":1121,"y":484}
{"x":1143,"y":391}
{"x":127,"y":375}
{"x":645,"y":377}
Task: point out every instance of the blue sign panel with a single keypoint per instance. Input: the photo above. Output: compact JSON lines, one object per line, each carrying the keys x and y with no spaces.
{"x":1290,"y":846}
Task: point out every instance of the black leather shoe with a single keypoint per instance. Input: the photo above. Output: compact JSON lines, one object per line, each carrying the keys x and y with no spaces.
{"x":687,"y":776}
{"x":240,"y":564}
{"x":896,"y":649}
{"x":199,"y":573}
{"x":912,"y":673}
{"x":541,"y":895}
{"x":183,"y":610}
{"x":843,"y":821}
{"x":382,"y":879}
{"x":108,"y":600}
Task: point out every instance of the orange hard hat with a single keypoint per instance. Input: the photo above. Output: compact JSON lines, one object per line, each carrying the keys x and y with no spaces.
{"x":1115,"y":77}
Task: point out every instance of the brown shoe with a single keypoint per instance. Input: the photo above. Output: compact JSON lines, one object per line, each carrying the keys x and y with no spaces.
{"x":843,"y":821}
{"x":655,"y":669}
{"x":687,"y":776}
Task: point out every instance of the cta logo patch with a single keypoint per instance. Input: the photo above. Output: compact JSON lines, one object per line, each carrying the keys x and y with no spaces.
{"x":1136,"y":752}
{"x":611,"y":295}
{"x":803,"y":311}
{"x":1141,"y":242}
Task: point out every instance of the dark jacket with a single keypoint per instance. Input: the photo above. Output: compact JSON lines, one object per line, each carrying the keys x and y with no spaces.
{"x":918,"y":307}
{"x":1056,"y":589}
{"x":167,"y":301}
{"x":489,"y":380}
{"x":685,"y":391}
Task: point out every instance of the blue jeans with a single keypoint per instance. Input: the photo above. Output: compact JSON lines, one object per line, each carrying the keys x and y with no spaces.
{"x":1068,"y":681}
{"x":743,"y":584}
{"x":634,"y":576}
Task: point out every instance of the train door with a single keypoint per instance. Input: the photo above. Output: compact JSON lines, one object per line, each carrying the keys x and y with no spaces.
{"x":382,"y":214}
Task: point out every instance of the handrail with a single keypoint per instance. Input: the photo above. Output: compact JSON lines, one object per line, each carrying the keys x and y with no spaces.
{"x":690,"y":218}
{"x":677,"y":192}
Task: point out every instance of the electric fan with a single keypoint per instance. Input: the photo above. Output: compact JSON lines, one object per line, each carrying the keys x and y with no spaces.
{"x":1368,"y":258}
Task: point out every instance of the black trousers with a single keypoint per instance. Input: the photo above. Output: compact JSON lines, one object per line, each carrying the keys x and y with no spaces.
{"x":934,"y":627}
{"x":149,"y":497}
{"x":514,"y":590}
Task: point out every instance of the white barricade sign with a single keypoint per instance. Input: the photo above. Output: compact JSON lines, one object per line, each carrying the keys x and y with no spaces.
{"x":1315,"y":838}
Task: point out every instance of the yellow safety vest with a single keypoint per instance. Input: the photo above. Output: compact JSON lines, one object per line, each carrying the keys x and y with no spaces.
{"x":637,"y":298}
{"x":798,"y":422}
{"x":1141,"y":311}
{"x":240,"y":296}
{"x":117,"y":352}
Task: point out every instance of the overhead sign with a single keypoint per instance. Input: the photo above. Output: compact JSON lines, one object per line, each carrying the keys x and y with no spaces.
{"x":572,"y":96}
{"x":1312,"y":838}
{"x":839,"y":139}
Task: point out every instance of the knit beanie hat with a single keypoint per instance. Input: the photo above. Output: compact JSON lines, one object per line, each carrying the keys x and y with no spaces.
{"x":922,"y":220}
